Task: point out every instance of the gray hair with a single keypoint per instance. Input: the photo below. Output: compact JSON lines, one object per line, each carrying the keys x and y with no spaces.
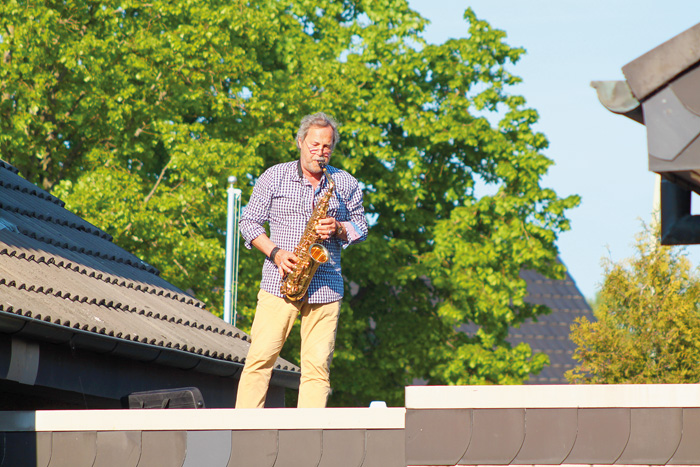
{"x":319,"y":119}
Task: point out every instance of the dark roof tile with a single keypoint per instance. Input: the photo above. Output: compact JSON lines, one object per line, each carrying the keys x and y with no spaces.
{"x":550,"y":333}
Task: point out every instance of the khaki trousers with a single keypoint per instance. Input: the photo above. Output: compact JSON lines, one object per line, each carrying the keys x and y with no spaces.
{"x":272,"y":324}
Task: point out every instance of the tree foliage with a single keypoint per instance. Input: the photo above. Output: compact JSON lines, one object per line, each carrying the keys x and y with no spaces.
{"x":136,"y":113}
{"x":648,"y":328}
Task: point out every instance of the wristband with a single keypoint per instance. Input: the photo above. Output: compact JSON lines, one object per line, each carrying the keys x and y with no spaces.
{"x":273,"y":253}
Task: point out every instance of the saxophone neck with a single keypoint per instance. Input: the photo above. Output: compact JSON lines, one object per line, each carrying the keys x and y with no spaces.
{"x":329,"y":179}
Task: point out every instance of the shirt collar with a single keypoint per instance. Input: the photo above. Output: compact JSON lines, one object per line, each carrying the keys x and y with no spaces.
{"x":303,"y":179}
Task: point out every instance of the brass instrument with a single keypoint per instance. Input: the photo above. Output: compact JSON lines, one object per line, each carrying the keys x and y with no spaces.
{"x":311,"y":254}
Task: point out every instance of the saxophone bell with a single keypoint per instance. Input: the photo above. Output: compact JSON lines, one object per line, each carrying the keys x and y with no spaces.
{"x":319,"y":253}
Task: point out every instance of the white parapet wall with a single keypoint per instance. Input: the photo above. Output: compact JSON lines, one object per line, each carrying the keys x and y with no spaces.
{"x":629,"y":424}
{"x":554,"y":396}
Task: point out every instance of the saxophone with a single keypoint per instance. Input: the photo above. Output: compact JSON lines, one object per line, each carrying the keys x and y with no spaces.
{"x":311,"y":254}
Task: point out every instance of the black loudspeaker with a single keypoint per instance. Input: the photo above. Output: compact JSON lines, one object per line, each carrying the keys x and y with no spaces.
{"x":178,"y":398}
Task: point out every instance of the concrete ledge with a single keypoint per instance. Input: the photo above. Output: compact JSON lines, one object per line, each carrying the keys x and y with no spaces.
{"x":203,"y":419}
{"x":554,"y":396}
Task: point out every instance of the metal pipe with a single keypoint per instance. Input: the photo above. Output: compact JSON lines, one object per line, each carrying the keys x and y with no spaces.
{"x":232,"y":252}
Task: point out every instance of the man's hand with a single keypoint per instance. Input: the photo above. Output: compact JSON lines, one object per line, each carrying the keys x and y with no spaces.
{"x":285,"y":261}
{"x":326,"y":227}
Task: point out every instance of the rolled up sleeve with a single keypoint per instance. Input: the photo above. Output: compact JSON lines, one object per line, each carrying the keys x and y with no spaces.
{"x":356,"y":224}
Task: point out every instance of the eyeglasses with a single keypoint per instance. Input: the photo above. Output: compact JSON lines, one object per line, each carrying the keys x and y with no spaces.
{"x":317,"y":148}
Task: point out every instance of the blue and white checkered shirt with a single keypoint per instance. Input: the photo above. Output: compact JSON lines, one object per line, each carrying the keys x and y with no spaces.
{"x":284,"y":199}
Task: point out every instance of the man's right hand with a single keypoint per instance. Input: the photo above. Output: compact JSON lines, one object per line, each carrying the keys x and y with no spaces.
{"x":285,"y":261}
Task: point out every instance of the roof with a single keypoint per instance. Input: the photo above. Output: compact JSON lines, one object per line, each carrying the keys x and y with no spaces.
{"x":549,"y":334}
{"x":650,"y":72}
{"x":62,"y":280}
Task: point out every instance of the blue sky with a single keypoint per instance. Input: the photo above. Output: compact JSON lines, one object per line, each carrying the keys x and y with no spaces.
{"x":598,"y":155}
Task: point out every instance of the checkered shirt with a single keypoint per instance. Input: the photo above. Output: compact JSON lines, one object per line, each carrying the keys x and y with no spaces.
{"x":284,"y":199}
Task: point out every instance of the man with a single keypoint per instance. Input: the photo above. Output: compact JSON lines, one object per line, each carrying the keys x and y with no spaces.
{"x":284,"y":197}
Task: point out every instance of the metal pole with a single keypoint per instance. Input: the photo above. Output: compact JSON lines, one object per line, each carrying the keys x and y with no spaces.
{"x":236,"y":250}
{"x":231,"y":279}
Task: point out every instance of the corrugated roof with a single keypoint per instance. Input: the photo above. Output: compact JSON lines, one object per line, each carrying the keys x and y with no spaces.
{"x":59,"y":270}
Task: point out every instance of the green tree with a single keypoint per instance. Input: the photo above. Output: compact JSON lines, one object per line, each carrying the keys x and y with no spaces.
{"x":648,"y":321}
{"x":135,"y":114}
